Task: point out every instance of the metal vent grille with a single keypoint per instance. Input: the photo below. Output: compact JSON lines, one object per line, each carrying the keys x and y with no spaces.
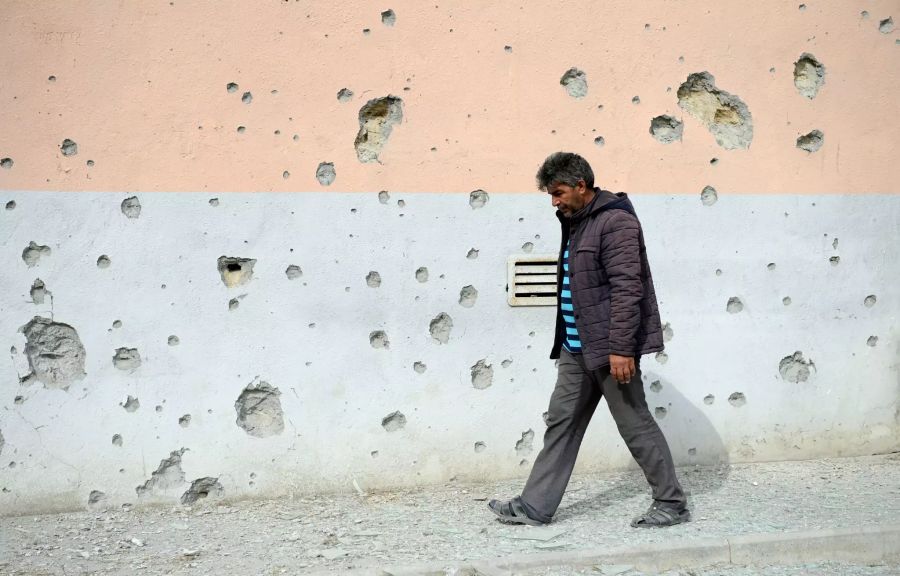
{"x":531,"y":280}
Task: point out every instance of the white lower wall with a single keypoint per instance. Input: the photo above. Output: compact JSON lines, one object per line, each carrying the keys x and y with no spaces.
{"x":309,"y":338}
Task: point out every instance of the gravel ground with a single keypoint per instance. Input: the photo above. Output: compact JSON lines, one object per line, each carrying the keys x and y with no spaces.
{"x":452,"y":523}
{"x":815,"y":569}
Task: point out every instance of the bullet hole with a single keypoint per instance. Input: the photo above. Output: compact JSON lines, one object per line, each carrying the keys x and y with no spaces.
{"x":802,"y":7}
{"x":235,"y":271}
{"x":725,"y":115}
{"x":809,"y":75}
{"x":32,"y":255}
{"x":393,"y":421}
{"x":527,"y":247}
{"x":655,"y":386}
{"x":259,"y":411}
{"x":117,"y":440}
{"x":718,"y":272}
{"x":600,"y":141}
{"x":506,"y":363}
{"x":103,"y":262}
{"x":374,"y":454}
{"x":55,"y":353}
{"x":373,"y":279}
{"x":666,"y":129}
{"x":472,"y":254}
{"x":575,"y":82}
{"x":737,"y":399}
{"x":480,"y":447}
{"x":89,"y":163}
{"x":692,"y":451}
{"x":834,"y":243}
{"x":714,"y":161}
{"x":770,"y":266}
{"x":668,"y":333}
{"x":709,"y":399}
{"x":811,"y":142}
{"x":96,"y":497}
{"x":440,"y":328}
{"x":377,"y":119}
{"x":379,"y":340}
{"x":6,"y":163}
{"x":117,"y":324}
{"x":660,"y":412}
{"x":388,"y":18}
{"x":384,"y":197}
{"x":285,"y":174}
{"x":366,"y":31}
{"x":325,"y":173}
{"x":794,"y":368}
{"x":468,"y":296}
{"x":872,"y":341}
{"x":734,"y":305}
{"x":159,"y":408}
{"x":636,"y":100}
{"x":131,"y":207}
{"x":131,"y":404}
{"x":709,"y":196}
{"x":835,"y":260}
{"x":419,"y":367}
{"x":167,"y":475}
{"x":524,"y":445}
{"x":233,"y":304}
{"x":68,"y":147}
{"x":213,"y":202}
{"x":478,"y":198}
{"x":293,"y":272}
{"x":127,"y":359}
{"x":662,"y":357}
{"x":508,"y":49}
{"x":173,"y":340}
{"x":344,"y":95}
{"x":38,"y":291}
{"x":786,"y":300}
{"x":482,"y":375}
{"x":231,"y":87}
{"x":11,"y":205}
{"x":241,"y":129}
{"x":870,"y":301}
{"x":295,"y":137}
{"x":886,"y":26}
{"x":202,"y":488}
{"x":864,"y":14}
{"x":247,"y":98}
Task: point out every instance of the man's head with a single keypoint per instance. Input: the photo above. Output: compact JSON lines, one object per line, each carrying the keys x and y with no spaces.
{"x":569,"y":181}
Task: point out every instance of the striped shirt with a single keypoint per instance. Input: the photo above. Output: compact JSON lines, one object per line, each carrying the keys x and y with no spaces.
{"x":572,"y":343}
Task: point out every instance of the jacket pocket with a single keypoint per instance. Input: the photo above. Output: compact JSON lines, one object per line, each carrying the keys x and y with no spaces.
{"x":586,"y":265}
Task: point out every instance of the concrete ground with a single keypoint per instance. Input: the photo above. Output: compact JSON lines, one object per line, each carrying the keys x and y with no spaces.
{"x":846,"y":511}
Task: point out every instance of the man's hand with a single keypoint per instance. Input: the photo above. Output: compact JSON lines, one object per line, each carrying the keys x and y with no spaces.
{"x":621,"y":367}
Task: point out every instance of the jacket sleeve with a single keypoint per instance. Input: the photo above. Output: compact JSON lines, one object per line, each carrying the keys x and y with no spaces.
{"x":620,"y":254}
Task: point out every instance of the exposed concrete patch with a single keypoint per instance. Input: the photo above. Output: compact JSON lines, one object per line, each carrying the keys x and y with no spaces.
{"x":478,"y":198}
{"x":96,"y":497}
{"x":231,"y":87}
{"x":795,"y":368}
{"x":734,"y":305}
{"x":384,"y":197}
{"x":379,"y":340}
{"x":482,"y":375}
{"x":202,"y":488}
{"x":709,"y":196}
{"x":393,"y":421}
{"x":259,"y":410}
{"x":344,"y":95}
{"x":38,"y":291}
{"x":68,"y":147}
{"x":131,"y":207}
{"x":575,"y":82}
{"x":373,"y":279}
{"x":166,"y":476}
{"x":809,"y":75}
{"x":600,"y":141}
{"x":325,"y":173}
{"x":33,"y":253}
{"x":419,"y":367}
{"x":235,"y":271}
{"x":6,"y":163}
{"x":377,"y":119}
{"x":388,"y":17}
{"x":636,"y":100}
{"x":811,"y":142}
{"x":886,"y":26}
{"x":725,"y":115}
{"x":440,"y":327}
{"x":127,"y":359}
{"x":666,"y":129}
{"x":525,"y":445}
{"x":422,"y":274}
{"x":131,"y":404}
{"x":55,"y":353}
{"x":293,"y":272}
{"x":737,"y":399}
{"x":103,"y":262}
{"x":468,"y":295}
{"x":247,"y":97}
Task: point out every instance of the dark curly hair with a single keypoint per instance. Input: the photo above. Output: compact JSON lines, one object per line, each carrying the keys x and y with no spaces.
{"x":564,"y":168}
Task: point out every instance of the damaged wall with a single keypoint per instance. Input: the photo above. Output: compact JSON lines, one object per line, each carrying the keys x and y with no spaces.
{"x":179,"y":332}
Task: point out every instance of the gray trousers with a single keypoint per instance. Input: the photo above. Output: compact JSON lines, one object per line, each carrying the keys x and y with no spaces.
{"x":577,"y":393}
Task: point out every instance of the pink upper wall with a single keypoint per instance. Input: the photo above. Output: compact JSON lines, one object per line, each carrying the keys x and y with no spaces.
{"x":136,"y":81}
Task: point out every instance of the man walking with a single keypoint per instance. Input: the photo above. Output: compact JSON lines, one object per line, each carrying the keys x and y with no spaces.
{"x":607,"y":318}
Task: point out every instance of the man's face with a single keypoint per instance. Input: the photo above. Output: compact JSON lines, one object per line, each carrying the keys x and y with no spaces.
{"x":569,"y":199}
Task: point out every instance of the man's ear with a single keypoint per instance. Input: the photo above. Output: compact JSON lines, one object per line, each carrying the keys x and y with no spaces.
{"x":581,"y":187}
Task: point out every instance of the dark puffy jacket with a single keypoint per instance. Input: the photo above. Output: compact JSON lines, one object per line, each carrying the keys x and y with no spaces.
{"x":612,"y":290}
